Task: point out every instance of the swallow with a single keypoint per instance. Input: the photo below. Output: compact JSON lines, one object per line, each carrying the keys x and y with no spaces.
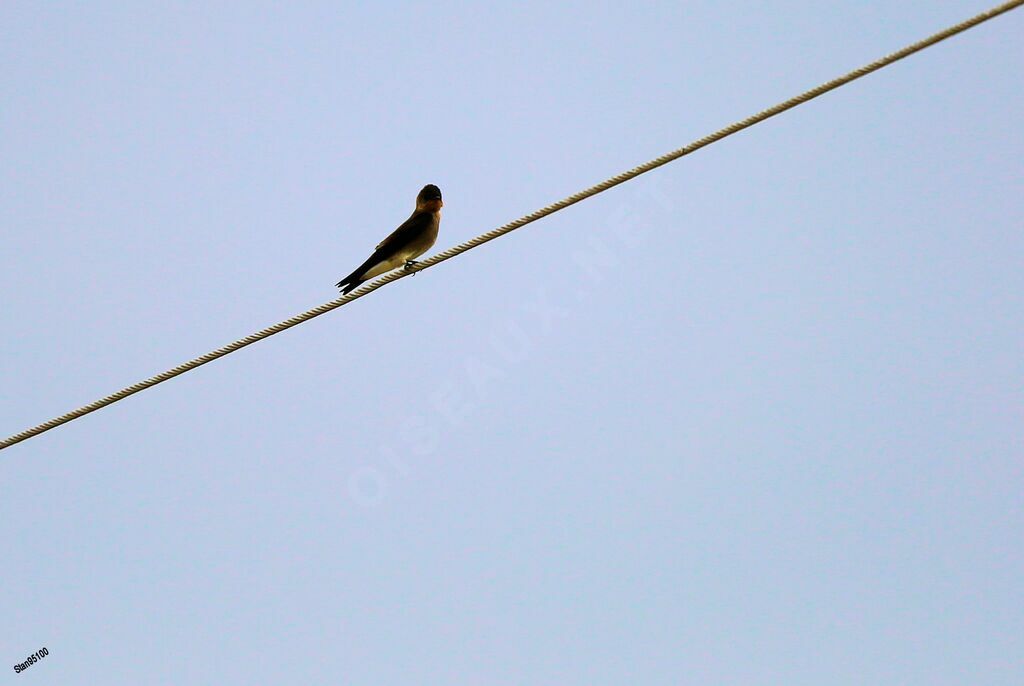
{"x":405,"y":244}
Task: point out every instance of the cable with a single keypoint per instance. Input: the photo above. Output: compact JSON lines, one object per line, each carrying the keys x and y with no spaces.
{"x":512,"y":226}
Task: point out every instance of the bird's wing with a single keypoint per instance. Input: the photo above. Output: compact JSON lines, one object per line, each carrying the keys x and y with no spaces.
{"x":404,"y":234}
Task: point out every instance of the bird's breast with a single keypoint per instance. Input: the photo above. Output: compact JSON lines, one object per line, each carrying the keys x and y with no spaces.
{"x":426,"y":239}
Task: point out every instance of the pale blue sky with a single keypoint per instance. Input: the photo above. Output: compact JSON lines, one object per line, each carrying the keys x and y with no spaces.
{"x":754,"y":418}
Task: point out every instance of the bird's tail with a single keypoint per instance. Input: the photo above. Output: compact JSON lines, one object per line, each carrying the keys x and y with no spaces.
{"x":349,"y":284}
{"x":355,"y":279}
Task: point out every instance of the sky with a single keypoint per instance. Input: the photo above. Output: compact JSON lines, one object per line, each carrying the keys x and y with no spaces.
{"x":752,"y":418}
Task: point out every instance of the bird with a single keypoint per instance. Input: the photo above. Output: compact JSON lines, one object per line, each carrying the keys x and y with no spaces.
{"x":405,"y":244}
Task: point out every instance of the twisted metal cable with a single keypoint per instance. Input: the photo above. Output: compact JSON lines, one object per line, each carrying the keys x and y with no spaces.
{"x":518,"y":223}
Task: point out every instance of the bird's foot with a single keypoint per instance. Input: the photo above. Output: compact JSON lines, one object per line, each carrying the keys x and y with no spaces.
{"x":409,"y":264}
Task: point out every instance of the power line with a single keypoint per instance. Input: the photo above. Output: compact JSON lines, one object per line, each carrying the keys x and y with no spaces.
{"x":518,"y":223}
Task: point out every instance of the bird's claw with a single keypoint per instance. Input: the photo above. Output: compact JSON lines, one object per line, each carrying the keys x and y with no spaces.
{"x":409,"y":264}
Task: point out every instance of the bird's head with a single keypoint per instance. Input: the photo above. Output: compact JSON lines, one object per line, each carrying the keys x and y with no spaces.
{"x":429,"y":199}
